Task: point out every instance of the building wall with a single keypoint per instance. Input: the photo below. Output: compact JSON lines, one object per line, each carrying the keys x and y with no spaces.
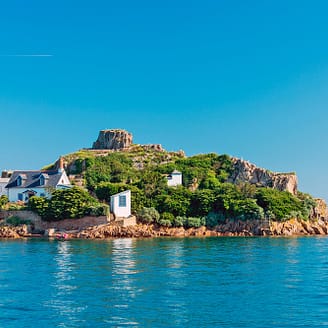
{"x":13,"y":193}
{"x":64,"y":180}
{"x":118,"y":211}
{"x":3,"y":190}
{"x":176,"y":180}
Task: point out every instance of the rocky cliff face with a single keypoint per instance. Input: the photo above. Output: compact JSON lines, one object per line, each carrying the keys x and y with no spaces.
{"x":113,"y":139}
{"x":247,"y":172}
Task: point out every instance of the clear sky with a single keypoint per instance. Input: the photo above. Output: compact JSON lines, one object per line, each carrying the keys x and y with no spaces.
{"x":246,"y":78}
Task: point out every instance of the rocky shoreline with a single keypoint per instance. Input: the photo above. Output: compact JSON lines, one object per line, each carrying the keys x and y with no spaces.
{"x":249,"y":228}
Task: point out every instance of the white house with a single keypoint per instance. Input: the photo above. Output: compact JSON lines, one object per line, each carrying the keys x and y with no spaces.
{"x":174,"y":179}
{"x":3,"y":184}
{"x":25,"y":184}
{"x":120,"y":204}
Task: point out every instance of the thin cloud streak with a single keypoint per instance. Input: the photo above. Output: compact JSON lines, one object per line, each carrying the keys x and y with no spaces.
{"x":35,"y":55}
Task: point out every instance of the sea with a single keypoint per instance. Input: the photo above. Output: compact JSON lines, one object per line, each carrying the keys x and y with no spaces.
{"x":165,"y":282}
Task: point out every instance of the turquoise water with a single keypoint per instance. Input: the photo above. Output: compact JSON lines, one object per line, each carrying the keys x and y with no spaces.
{"x":210,"y":282}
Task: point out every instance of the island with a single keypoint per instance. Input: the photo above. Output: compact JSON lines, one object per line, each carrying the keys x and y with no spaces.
{"x":118,"y":188}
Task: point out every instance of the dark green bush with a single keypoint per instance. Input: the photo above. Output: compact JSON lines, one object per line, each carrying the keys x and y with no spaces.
{"x":166,"y":219}
{"x":16,"y":221}
{"x":148,"y":215}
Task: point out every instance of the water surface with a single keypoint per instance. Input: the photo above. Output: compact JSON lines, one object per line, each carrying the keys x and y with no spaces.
{"x":192,"y":282}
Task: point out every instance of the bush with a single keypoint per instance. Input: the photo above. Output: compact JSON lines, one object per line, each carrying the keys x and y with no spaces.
{"x":194,"y":222}
{"x":16,"y":221}
{"x":38,"y":205}
{"x":67,"y":204}
{"x":106,"y":189}
{"x":166,"y":219}
{"x":3,"y":201}
{"x":179,"y":221}
{"x":148,"y":215}
{"x":202,"y":202}
{"x":98,"y":210}
{"x":280,"y":204}
{"x":177,"y":202}
{"x":213,"y":219}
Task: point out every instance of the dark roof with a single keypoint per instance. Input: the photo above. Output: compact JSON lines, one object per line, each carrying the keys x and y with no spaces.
{"x":30,"y":179}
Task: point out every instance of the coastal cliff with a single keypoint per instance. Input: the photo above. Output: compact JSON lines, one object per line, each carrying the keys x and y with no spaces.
{"x":244,"y":171}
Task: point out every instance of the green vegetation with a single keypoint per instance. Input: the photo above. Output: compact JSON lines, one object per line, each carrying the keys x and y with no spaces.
{"x":205,"y":198}
{"x":16,"y":221}
{"x":68,"y":203}
{"x":3,"y":201}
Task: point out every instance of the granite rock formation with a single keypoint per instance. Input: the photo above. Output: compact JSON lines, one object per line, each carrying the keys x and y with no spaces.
{"x":113,"y":139}
{"x":245,"y":171}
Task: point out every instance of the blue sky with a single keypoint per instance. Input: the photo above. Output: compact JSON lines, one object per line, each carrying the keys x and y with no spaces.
{"x":247,"y":78}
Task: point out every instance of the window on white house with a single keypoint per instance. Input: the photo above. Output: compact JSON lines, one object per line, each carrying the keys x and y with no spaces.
{"x":19,"y":181}
{"x":42,"y":194}
{"x":42,"y":180}
{"x":122,"y":201}
{"x":20,"y":197}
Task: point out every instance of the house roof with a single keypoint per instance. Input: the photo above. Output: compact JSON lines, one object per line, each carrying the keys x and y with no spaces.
{"x":176,"y":172}
{"x":121,"y":193}
{"x":30,"y":179}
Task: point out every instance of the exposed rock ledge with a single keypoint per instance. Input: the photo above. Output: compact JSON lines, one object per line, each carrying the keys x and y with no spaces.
{"x":291,"y":227}
{"x":245,"y":171}
{"x":15,"y":232}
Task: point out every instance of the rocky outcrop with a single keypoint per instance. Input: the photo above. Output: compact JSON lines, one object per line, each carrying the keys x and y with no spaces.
{"x":320,"y":211}
{"x":293,"y":227}
{"x":113,"y":139}
{"x":14,"y":232}
{"x":142,"y":231}
{"x":244,"y":171}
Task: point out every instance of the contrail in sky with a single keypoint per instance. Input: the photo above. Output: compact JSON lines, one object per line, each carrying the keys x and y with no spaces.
{"x":35,"y":55}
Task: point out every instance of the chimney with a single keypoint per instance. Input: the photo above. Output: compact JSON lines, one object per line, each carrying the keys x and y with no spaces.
{"x":61,"y":164}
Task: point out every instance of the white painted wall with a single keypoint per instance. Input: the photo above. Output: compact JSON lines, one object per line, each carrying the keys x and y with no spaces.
{"x":174,"y":179}
{"x":3,"y":183}
{"x":13,"y":193}
{"x":121,"y":211}
{"x":64,"y":180}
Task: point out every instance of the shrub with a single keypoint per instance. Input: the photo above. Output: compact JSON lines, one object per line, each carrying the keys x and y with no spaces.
{"x":106,"y":189}
{"x":98,"y":210}
{"x":166,"y":219}
{"x":16,"y":221}
{"x":38,"y":205}
{"x":67,"y":204}
{"x":280,"y":204}
{"x":202,"y":202}
{"x":194,"y":222}
{"x":179,"y":221}
{"x":177,"y":202}
{"x":3,"y":201}
{"x":213,"y":219}
{"x":148,"y":215}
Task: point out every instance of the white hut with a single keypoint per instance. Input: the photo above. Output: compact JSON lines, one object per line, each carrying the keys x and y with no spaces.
{"x":120,"y":204}
{"x":174,"y":179}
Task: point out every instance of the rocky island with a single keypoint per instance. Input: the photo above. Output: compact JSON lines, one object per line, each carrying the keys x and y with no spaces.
{"x":213,"y":195}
